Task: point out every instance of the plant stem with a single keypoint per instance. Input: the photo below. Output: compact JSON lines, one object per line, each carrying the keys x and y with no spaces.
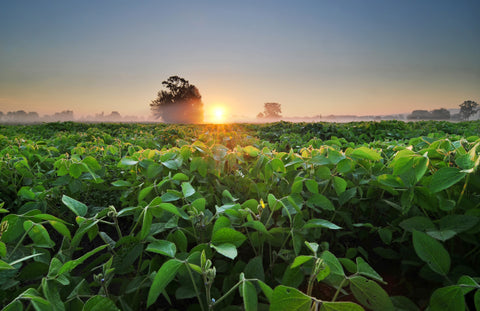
{"x":195,"y":286}
{"x":338,"y":290}
{"x":463,"y":189}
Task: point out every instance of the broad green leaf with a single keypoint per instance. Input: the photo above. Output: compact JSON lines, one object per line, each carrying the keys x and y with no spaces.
{"x":14,"y":229}
{"x":38,"y":234}
{"x":226,"y":249}
{"x":337,"y":275}
{"x":445,"y":178}
{"x":75,"y":170}
{"x":340,"y":306}
{"x":300,"y":260}
{"x":61,"y":228}
{"x":467,"y":284}
{"x":75,"y":206}
{"x":249,"y":294}
{"x":391,"y":181}
{"x":311,"y":185}
{"x":50,"y":290}
{"x":100,"y":303}
{"x":339,"y":184}
{"x":5,"y":266}
{"x":251,"y":151}
{"x":364,"y":268}
{"x":267,"y":290}
{"x":289,"y":299}
{"x":121,"y":183}
{"x":419,"y":223}
{"x":322,"y":201}
{"x":187,"y":189}
{"x":370,"y":294}
{"x":72,"y":264}
{"x":128,"y":162}
{"x":180,"y":240}
{"x":447,"y":298}
{"x":3,"y":249}
{"x":402,"y":303}
{"x":366,"y":153}
{"x":164,"y":276}
{"x":146,"y":223}
{"x":228,"y":235}
{"x":15,"y":305}
{"x":321,"y":223}
{"x":254,"y":269}
{"x":476,"y":299}
{"x":169,"y":207}
{"x":162,"y":247}
{"x":277,"y":165}
{"x":257,"y":225}
{"x":313,"y":246}
{"x":432,"y":252}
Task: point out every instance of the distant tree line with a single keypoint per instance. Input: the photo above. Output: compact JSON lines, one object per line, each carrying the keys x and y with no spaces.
{"x":467,"y":109}
{"x":22,"y":116}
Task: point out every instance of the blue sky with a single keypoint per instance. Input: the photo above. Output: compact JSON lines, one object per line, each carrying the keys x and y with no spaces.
{"x":313,"y":57}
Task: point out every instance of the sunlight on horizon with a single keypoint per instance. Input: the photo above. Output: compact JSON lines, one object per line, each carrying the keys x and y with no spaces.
{"x":218,"y":114}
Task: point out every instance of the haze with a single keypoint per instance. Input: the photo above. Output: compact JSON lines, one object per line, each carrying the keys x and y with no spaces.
{"x":313,"y":57}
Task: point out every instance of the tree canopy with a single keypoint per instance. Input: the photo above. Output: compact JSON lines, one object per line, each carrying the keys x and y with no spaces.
{"x":271,"y":111}
{"x":181,"y":102}
{"x":467,"y":109}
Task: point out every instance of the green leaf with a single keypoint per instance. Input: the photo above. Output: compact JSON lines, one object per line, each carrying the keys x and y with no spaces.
{"x":364,"y":268}
{"x":38,"y":234}
{"x":75,"y":206}
{"x":447,"y":298}
{"x":289,"y":299}
{"x":75,"y":170}
{"x":419,"y":223}
{"x":100,"y":303}
{"x":50,"y":290}
{"x":146,"y":223}
{"x":128,"y":162}
{"x":169,"y":207}
{"x":72,"y":264}
{"x":321,"y":223}
{"x":340,"y":306}
{"x":257,"y":225}
{"x":5,"y":266}
{"x":445,"y":178}
{"x":228,"y":235}
{"x":476,"y":299}
{"x":162,"y":247}
{"x":164,"y":276}
{"x":187,"y":189}
{"x":251,"y":151}
{"x":61,"y":228}
{"x":339,"y":184}
{"x":311,"y":185}
{"x":322,"y":201}
{"x":402,"y":303}
{"x":366,"y":153}
{"x":267,"y":290}
{"x":337,"y":274}
{"x":432,"y":252}
{"x":249,"y":294}
{"x":370,"y":294}
{"x":467,"y":283}
{"x":300,"y":260}
{"x":226,"y":249}
{"x":3,"y":249}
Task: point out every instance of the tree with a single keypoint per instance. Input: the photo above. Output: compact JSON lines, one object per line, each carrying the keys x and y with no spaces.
{"x":271,"y":111}
{"x":440,"y":114}
{"x":180,"y":103}
{"x":467,"y":109}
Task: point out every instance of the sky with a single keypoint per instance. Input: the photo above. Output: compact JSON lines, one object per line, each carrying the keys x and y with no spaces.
{"x":369,"y":57}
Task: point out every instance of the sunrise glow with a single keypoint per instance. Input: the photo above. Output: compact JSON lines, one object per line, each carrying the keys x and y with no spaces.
{"x":218,"y":114}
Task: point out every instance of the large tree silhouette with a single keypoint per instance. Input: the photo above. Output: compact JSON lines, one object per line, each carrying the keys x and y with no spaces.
{"x":271,"y":111}
{"x":181,"y":102}
{"x":467,"y":109}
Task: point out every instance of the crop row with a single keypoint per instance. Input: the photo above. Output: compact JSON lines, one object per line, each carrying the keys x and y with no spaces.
{"x":119,"y":216}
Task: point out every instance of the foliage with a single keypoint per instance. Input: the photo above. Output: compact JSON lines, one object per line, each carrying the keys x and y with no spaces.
{"x":467,"y":109}
{"x":271,"y":111}
{"x":180,"y":103}
{"x":137,"y":216}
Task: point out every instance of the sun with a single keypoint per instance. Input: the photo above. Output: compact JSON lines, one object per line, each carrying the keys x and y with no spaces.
{"x":218,"y":114}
